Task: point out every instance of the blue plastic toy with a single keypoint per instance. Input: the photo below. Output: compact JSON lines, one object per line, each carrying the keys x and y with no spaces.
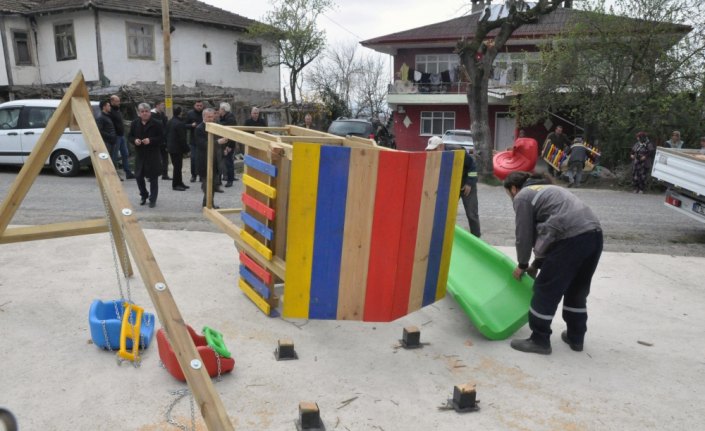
{"x":105,"y":320}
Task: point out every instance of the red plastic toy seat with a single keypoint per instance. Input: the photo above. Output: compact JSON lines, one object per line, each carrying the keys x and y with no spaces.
{"x":522,"y":157}
{"x":168,"y":357}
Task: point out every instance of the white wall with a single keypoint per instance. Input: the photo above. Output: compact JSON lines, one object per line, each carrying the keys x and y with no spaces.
{"x":53,"y":71}
{"x":187,"y":54}
{"x":21,"y":75}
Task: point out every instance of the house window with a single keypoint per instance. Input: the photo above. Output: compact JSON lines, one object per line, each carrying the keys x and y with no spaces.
{"x":436,"y":122}
{"x":140,"y":41}
{"x":436,"y":63}
{"x":64,"y":42}
{"x":21,"y":44}
{"x":208,"y":58}
{"x":249,"y":57}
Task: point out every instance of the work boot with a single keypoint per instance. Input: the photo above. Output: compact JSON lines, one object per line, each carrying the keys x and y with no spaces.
{"x":193,"y":178}
{"x":530,"y":346}
{"x":573,"y":346}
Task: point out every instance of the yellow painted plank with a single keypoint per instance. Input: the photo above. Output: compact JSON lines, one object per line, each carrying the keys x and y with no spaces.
{"x":254,"y":297}
{"x":450,"y":223}
{"x":424,"y":232}
{"x":252,"y":241}
{"x":357,"y":236}
{"x":303,"y":192}
{"x":258,"y":185}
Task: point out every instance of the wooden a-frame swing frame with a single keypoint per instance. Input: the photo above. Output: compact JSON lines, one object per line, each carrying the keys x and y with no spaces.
{"x":75,"y":111}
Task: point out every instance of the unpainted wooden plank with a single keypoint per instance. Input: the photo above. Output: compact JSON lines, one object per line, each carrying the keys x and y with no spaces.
{"x":53,"y":230}
{"x":357,"y":235}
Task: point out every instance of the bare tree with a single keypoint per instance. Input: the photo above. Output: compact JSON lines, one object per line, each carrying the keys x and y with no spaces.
{"x":372,"y":85}
{"x":477,"y":55}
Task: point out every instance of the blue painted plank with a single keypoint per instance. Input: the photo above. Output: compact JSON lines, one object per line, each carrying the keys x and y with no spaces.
{"x":261,"y":166}
{"x":328,"y":236}
{"x":254,"y":282}
{"x":439,"y":224}
{"x":258,"y":226}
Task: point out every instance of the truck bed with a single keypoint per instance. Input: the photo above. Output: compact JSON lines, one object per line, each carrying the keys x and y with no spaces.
{"x":683,"y":170}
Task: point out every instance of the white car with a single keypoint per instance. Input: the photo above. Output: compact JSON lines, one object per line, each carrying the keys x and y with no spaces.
{"x":461,"y":138}
{"x":22,"y":123}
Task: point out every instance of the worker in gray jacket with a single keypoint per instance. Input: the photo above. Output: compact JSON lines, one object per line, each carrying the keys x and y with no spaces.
{"x":577,"y":156}
{"x":567,"y":241}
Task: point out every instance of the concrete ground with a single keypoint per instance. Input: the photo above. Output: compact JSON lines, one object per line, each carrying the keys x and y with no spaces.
{"x":643,"y":366}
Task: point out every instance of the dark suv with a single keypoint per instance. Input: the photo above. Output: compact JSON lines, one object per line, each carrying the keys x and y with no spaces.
{"x":346,"y":126}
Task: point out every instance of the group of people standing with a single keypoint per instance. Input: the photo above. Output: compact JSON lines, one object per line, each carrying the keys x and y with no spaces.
{"x":156,"y":139}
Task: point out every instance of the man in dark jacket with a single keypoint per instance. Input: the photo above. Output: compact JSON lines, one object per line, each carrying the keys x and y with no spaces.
{"x":561,"y":141}
{"x":107,"y":131}
{"x":159,"y":114}
{"x":468,"y":190}
{"x":201,"y":147}
{"x":177,"y":146}
{"x":255,"y":119}
{"x":577,"y":155}
{"x":147,"y":134}
{"x":228,"y":119}
{"x":121,"y":144}
{"x":194,"y":117}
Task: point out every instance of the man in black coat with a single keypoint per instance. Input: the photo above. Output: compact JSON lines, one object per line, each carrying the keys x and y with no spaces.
{"x":177,"y":146}
{"x":194,"y":117}
{"x":255,"y":119}
{"x":159,"y":114}
{"x":201,"y":147}
{"x":147,"y":134}
{"x":228,"y":119}
{"x":120,"y":143}
{"x":107,"y":131}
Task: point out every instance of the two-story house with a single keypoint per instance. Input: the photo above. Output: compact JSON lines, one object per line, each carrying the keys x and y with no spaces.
{"x":429,"y":92}
{"x":119,"y":43}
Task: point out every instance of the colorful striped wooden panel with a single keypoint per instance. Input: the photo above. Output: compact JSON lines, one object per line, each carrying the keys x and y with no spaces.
{"x":424,"y":230}
{"x":257,"y":226}
{"x":409,"y":221}
{"x":386,"y":232}
{"x":254,"y":282}
{"x":303,"y":193}
{"x":455,"y":182}
{"x":330,"y":222}
{"x":258,"y":185}
{"x":252,"y":241}
{"x":357,"y":233}
{"x":255,"y":268}
{"x":258,"y":206}
{"x":438,"y":233}
{"x":261,"y":166}
{"x":254,"y":297}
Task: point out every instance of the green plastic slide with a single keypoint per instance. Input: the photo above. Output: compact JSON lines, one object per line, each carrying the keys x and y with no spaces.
{"x":480,"y":279}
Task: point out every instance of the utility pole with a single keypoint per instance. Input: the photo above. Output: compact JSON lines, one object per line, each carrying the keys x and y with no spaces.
{"x":166,"y":32}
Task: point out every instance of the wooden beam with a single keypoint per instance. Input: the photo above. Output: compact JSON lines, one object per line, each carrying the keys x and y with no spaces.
{"x":230,"y":210}
{"x":330,"y":140}
{"x":210,"y":404}
{"x":276,"y":265}
{"x":209,"y":171}
{"x":35,"y":162}
{"x":281,"y":203}
{"x":118,"y":237}
{"x":54,"y":230}
{"x":237,"y":134}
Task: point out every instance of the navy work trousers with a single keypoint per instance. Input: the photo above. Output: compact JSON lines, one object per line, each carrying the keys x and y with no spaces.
{"x":566,"y":273}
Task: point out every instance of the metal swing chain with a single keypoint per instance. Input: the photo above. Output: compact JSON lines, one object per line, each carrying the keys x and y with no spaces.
{"x":113,"y":247}
{"x":179,"y":395}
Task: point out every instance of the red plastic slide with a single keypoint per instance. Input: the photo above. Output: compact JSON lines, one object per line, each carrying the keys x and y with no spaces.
{"x":522,"y":157}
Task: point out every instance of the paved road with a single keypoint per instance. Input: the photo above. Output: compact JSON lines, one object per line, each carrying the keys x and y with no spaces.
{"x":632,"y":223}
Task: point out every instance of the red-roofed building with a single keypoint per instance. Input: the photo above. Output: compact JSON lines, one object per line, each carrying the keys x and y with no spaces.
{"x":429,"y":92}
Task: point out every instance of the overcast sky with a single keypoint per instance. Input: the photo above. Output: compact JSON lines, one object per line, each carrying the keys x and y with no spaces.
{"x":363,"y":19}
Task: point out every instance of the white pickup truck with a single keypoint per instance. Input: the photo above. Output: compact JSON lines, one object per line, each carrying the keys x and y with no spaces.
{"x":683,"y":171}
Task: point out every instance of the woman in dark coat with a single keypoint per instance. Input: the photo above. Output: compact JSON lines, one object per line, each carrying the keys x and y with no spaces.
{"x":642,"y":154}
{"x":147,"y":135}
{"x":177,"y":146}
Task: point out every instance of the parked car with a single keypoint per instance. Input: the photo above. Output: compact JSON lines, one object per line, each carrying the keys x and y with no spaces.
{"x":459,"y":138}
{"x":349,"y":126}
{"x":22,"y":123}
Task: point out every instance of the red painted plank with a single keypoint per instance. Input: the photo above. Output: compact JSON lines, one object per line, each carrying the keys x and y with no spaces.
{"x":258,"y":206}
{"x":386,"y":232}
{"x":409,"y":220}
{"x":256,"y":269}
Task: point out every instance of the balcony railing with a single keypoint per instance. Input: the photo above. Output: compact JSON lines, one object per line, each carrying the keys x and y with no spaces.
{"x":410,"y":87}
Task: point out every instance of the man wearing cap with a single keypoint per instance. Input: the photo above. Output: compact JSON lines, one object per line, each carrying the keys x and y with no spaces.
{"x":468,"y":191}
